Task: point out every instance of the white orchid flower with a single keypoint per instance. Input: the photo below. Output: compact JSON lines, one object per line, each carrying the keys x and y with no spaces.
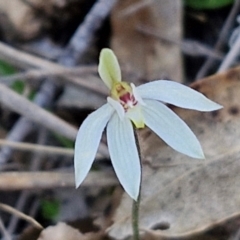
{"x":128,"y":105}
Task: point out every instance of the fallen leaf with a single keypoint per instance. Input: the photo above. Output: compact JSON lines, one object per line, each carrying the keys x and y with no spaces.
{"x":61,"y":231}
{"x":142,"y":55}
{"x":183,"y":196}
{"x":20,"y":19}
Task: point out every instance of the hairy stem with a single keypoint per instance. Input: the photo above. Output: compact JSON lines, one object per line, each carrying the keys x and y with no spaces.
{"x":135,"y":218}
{"x":136,"y":204}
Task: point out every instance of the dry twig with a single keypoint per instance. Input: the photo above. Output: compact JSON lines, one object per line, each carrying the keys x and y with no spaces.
{"x":35,"y":165}
{"x":25,"y":61}
{"x":231,"y":56}
{"x":35,"y":113}
{"x":221,"y":40}
{"x":44,"y":150}
{"x":10,"y":181}
{"x":36,"y":74}
{"x":133,"y":8}
{"x":21,"y":215}
{"x":83,"y":37}
{"x":189,"y":47}
{"x":4,"y":231}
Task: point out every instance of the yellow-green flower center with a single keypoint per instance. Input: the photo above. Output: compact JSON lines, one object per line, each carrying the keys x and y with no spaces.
{"x":122,"y":92}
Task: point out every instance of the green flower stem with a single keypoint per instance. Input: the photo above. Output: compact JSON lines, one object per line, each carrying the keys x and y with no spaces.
{"x":135,"y":218}
{"x":136,"y":204}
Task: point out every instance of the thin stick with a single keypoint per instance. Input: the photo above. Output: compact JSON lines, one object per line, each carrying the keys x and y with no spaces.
{"x":25,"y":60}
{"x":4,"y":231}
{"x":231,"y":56}
{"x":44,"y":150}
{"x":49,"y":150}
{"x":221,"y":40}
{"x":36,"y":74}
{"x":83,"y":37}
{"x":11,"y":181}
{"x":33,"y":112}
{"x":21,"y":215}
{"x":135,"y":7}
{"x":189,"y":47}
{"x":35,"y":165}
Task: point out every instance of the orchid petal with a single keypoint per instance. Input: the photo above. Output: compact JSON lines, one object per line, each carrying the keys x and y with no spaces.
{"x":108,"y":68}
{"x":177,"y":94}
{"x":87,"y":141}
{"x":117,"y":106}
{"x":171,"y":129}
{"x":124,"y":154}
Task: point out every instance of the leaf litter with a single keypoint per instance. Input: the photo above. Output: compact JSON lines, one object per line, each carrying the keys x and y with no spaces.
{"x":181,"y":196}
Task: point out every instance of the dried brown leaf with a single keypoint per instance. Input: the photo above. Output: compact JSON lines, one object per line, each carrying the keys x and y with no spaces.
{"x":145,"y":56}
{"x":61,"y":231}
{"x":20,"y":19}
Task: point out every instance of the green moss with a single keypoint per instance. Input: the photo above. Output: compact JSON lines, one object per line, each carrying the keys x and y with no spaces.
{"x":207,"y":4}
{"x":50,"y":208}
